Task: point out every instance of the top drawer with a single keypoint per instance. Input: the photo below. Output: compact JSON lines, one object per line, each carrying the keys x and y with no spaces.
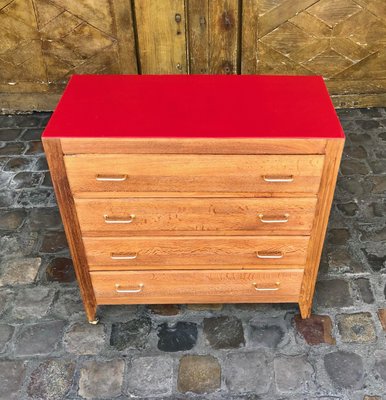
{"x":158,"y":174}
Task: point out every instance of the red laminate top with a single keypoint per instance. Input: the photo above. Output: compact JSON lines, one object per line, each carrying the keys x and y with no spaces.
{"x":188,"y":106}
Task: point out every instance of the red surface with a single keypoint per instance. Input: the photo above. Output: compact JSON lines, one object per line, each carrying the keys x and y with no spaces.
{"x":195,"y":106}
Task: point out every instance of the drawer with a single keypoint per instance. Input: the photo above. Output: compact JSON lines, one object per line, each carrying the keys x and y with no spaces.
{"x":157,"y":287}
{"x":195,"y":216}
{"x":184,"y":175}
{"x":195,"y":252}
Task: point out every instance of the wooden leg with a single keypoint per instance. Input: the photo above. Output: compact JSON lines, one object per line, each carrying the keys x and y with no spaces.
{"x":305,"y":309}
{"x":67,"y":210}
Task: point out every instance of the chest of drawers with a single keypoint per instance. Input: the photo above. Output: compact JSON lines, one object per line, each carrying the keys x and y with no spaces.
{"x":194,"y":189}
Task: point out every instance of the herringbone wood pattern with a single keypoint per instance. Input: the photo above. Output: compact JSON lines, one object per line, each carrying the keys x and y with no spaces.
{"x":44,"y":42}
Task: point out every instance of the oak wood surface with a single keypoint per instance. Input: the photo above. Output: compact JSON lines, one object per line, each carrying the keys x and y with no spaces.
{"x":201,"y":252}
{"x":198,"y":173}
{"x":160,"y":287}
{"x":334,"y":151}
{"x":176,"y":216}
{"x":193,"y":146}
{"x":70,"y":222}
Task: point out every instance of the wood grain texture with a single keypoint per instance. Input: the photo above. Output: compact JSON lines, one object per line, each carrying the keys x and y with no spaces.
{"x":194,"y":173}
{"x":196,"y":146}
{"x":160,"y":287}
{"x":71,"y":226}
{"x":334,"y":151}
{"x":176,"y":216}
{"x":161,"y":36}
{"x":44,"y":42}
{"x":201,"y":252}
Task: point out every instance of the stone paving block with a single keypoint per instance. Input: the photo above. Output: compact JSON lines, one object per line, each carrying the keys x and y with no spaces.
{"x":51,"y":380}
{"x":345,"y":369}
{"x":268,"y":332}
{"x":380,"y":364}
{"x":6,"y":332}
{"x":199,"y":374}
{"x":35,"y":198}
{"x":27,"y":120}
{"x":7,"y":121}
{"x":11,"y":220}
{"x":205,"y":307}
{"x":32,"y":302}
{"x":376,"y":262}
{"x":101,"y":379}
{"x":19,"y":271}
{"x":180,"y":336}
{"x":340,"y":261}
{"x":67,"y":305}
{"x":12,"y":375}
{"x":84,"y":338}
{"x":338,"y":236}
{"x":293,"y":374}
{"x":9,"y":134}
{"x":150,"y":376}
{"x":349,"y":209}
{"x":382,"y":317}
{"x":372,"y":398}
{"x":54,"y":242}
{"x":32,"y":134}
{"x":34,"y":147}
{"x":42,"y":338}
{"x":130,"y":335}
{"x":365,"y":291}
{"x":11,"y":149}
{"x":248,"y":372}
{"x":224,"y":332}
{"x":41,"y":164}
{"x":26,"y":180}
{"x":315,"y":330}
{"x":47,"y":181}
{"x":356,"y":328}
{"x":17,"y":164}
{"x":61,"y":270}
{"x":17,"y":244}
{"x":333,"y":293}
{"x":166,"y":310}
{"x":371,"y":234}
{"x":354,"y":167}
{"x":8,"y":198}
{"x":378,"y":184}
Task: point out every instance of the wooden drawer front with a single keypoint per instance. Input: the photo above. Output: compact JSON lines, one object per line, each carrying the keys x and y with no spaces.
{"x":138,"y":216}
{"x":167,"y":173}
{"x":195,"y":252}
{"x":132,"y":287}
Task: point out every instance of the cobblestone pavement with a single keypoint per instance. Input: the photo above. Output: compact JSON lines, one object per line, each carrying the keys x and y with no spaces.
{"x":49,"y":351}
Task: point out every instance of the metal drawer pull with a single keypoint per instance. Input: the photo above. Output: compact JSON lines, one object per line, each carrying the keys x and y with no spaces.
{"x":277,"y":254}
{"x":117,"y":286}
{"x":266,"y":289}
{"x":289,"y":178}
{"x":273,"y":220}
{"x":111,"y":178}
{"x":114,"y":220}
{"x":132,"y":256}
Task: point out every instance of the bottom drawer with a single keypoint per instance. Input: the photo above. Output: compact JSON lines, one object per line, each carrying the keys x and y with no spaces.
{"x":203,"y":286}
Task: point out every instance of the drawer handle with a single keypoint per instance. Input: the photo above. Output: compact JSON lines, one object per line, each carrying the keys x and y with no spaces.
{"x":118,"y":290}
{"x":277,"y":254}
{"x":111,"y":178}
{"x":289,"y":178}
{"x":277,"y":284}
{"x":114,"y":220}
{"x":115,"y":256}
{"x":273,"y":220}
